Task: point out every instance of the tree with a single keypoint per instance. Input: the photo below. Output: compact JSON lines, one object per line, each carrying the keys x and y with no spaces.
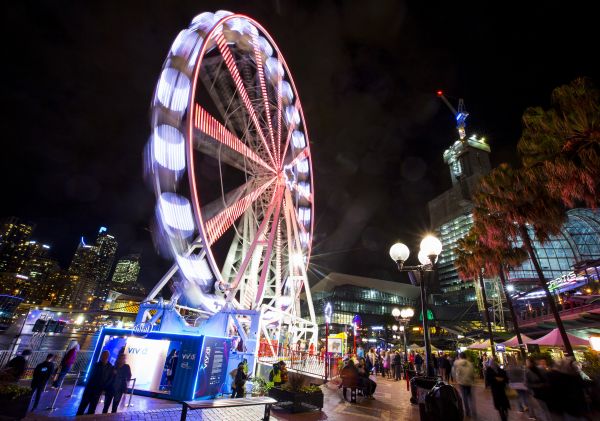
{"x":560,"y":146}
{"x":498,"y":260}
{"x":470,"y":263}
{"x":516,"y":206}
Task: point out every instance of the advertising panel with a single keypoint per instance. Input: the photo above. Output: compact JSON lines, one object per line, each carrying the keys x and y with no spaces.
{"x":213,"y":367}
{"x":334,"y":345}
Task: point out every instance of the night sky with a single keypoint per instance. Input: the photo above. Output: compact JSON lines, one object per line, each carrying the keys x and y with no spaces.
{"x":79,"y":77}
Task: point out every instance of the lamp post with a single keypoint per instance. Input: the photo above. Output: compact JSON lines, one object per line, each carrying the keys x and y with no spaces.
{"x":403,"y":317}
{"x":328,"y":311}
{"x":431,"y":248}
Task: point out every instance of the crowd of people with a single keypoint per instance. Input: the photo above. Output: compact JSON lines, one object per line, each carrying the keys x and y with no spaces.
{"x":112,"y":380}
{"x":543,"y":391}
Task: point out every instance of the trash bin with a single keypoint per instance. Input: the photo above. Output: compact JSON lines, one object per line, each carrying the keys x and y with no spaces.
{"x":443,"y":402}
{"x":419,"y":387}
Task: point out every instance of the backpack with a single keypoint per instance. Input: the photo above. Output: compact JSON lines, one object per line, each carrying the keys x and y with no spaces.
{"x":443,"y":402}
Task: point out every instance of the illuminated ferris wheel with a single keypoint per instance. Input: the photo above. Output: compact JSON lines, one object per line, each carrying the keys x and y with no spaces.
{"x":230,"y":164}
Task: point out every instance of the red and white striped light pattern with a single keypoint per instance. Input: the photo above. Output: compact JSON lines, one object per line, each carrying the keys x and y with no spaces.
{"x":217,"y":225}
{"x":237,"y":79}
{"x":209,"y":125}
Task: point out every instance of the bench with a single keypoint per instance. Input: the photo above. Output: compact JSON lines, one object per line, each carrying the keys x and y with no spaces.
{"x":228,"y":403}
{"x":353,"y":385}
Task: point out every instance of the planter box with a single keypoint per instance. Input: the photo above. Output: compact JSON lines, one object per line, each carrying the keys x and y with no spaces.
{"x":297,"y":401}
{"x":14,"y":409}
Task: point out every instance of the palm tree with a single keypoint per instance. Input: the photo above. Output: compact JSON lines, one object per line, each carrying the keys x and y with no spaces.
{"x":516,"y":206}
{"x":560,"y":146}
{"x":497,"y":261}
{"x":470,"y":263}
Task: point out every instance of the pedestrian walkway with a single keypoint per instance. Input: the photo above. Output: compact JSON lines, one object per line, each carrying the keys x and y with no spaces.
{"x":391,"y":403}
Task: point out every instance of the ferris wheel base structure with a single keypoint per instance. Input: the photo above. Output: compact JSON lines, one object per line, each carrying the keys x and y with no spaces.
{"x":230,"y":164}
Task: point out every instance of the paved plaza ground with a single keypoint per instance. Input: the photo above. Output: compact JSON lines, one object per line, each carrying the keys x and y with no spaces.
{"x":391,"y":403}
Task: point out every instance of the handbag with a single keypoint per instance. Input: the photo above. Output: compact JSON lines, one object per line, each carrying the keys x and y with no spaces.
{"x":511,"y":393}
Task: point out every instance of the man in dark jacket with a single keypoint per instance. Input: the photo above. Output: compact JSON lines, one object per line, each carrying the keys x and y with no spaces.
{"x":41,"y":375}
{"x":16,"y":367}
{"x":98,"y":381}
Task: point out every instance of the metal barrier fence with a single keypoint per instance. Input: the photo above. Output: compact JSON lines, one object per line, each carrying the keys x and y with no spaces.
{"x":36,"y":357}
{"x":302,"y":362}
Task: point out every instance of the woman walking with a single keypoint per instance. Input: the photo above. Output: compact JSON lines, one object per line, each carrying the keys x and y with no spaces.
{"x":498,"y":380}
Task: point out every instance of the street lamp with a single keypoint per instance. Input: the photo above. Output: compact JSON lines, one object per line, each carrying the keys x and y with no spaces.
{"x":430,"y":249}
{"x":328,"y":311}
{"x":403,"y":317}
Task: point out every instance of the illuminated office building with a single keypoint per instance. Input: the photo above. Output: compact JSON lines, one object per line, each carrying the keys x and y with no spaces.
{"x":90,"y":269}
{"x":451,"y":214}
{"x":13,"y":233}
{"x":126,"y":273}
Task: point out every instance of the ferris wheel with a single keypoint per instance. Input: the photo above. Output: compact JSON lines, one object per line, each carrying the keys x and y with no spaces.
{"x":230,"y":164}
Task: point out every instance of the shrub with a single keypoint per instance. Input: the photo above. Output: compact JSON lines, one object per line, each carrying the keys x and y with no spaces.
{"x":294,"y":383}
{"x":591,"y":364}
{"x":13,"y":391}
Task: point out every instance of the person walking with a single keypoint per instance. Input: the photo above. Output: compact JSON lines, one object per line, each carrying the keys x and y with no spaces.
{"x":397,"y":366}
{"x":464,"y":375}
{"x":121,"y":375}
{"x":98,"y":381}
{"x":66,"y":364}
{"x":418,"y":362}
{"x":240,"y":381}
{"x":41,"y":374}
{"x":537,"y":382}
{"x":498,"y":380}
{"x":385,"y":363}
{"x":441,"y":366}
{"x":516,"y":381}
{"x":14,"y":370}
{"x":171,"y":367}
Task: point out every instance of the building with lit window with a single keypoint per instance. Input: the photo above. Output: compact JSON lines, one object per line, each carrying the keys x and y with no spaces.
{"x":90,"y":269}
{"x":451,"y":215}
{"x":125,"y":276}
{"x":13,"y":233}
{"x":569,"y":261}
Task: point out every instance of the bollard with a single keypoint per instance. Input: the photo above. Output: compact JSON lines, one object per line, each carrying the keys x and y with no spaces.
{"x":52,"y":407}
{"x":74,"y":384}
{"x":131,"y":394}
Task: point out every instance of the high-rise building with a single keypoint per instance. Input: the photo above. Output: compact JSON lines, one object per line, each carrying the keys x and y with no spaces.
{"x":125,"y":277}
{"x":106,"y":250}
{"x":90,"y":269}
{"x":451,"y":214}
{"x":13,"y":233}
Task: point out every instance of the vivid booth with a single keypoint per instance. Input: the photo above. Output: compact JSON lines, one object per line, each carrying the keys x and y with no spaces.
{"x":169,"y":365}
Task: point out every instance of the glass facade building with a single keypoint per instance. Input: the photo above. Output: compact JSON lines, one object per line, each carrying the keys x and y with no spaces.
{"x":578,"y":243}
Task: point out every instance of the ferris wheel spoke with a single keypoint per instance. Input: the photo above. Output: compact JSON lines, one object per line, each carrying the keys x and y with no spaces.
{"x":237,"y":79}
{"x":265,"y":96}
{"x":218,"y":135}
{"x":271,"y":239}
{"x":218,"y":224}
{"x":258,"y":239}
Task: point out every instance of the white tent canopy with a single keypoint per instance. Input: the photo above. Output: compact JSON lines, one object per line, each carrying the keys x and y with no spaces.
{"x":480,"y":345}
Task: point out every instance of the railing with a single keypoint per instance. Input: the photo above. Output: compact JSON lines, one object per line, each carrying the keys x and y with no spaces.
{"x":312,"y":364}
{"x":542,"y":314}
{"x":36,"y":357}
